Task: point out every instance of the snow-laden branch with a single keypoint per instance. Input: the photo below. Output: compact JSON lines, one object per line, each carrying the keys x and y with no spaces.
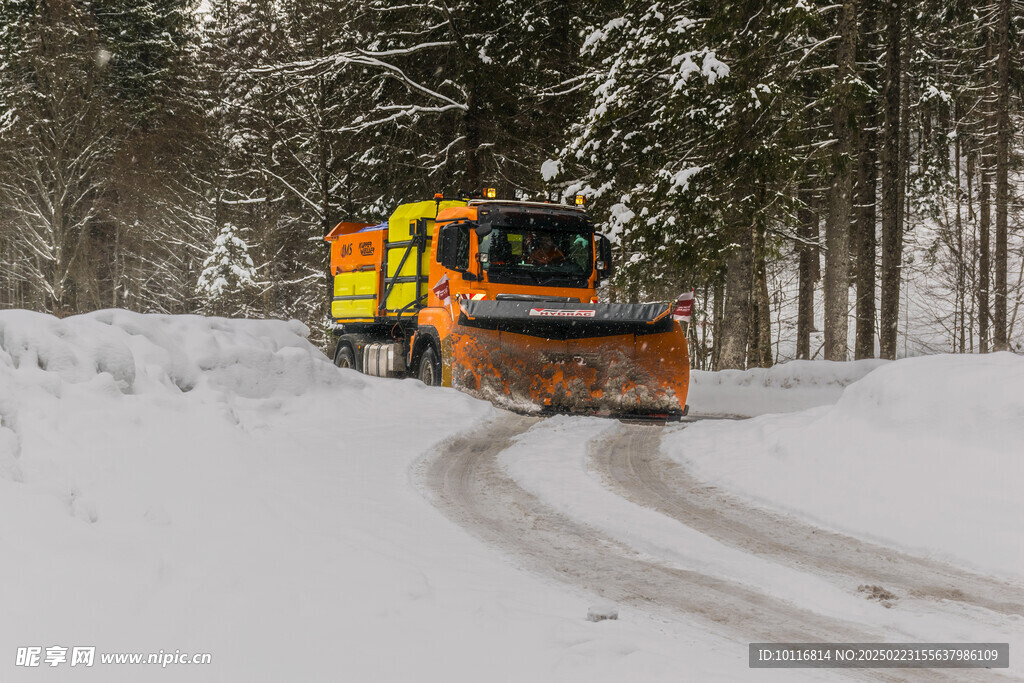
{"x":316,"y":67}
{"x":405,"y":51}
{"x":401,"y":112}
{"x":316,"y":207}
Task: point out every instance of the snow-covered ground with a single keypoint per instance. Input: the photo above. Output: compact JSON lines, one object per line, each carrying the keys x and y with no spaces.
{"x":178,"y":483}
{"x":921,"y":456}
{"x":924,"y":453}
{"x":785,"y":388}
{"x":214,"y":486}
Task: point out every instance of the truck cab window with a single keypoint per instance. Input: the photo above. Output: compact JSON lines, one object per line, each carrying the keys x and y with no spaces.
{"x":539,"y":256}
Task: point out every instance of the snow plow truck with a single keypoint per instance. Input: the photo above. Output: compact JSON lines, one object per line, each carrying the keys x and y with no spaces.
{"x":498,"y":299}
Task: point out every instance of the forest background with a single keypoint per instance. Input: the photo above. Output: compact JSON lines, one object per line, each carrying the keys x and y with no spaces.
{"x":835,"y":180}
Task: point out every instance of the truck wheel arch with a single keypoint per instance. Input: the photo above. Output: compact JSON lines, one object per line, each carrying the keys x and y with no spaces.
{"x":426,"y":337}
{"x":356,"y":342}
{"x":345,"y":355}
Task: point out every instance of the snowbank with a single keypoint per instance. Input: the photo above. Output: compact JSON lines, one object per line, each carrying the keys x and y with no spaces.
{"x":922,"y":453}
{"x":144,"y":353}
{"x":175,"y":483}
{"x":784,"y":388}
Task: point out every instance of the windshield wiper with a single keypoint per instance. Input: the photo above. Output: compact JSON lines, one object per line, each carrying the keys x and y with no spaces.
{"x":553,"y":278}
{"x":529,"y":273}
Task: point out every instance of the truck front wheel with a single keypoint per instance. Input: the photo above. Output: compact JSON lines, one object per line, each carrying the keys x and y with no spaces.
{"x":429,"y":370}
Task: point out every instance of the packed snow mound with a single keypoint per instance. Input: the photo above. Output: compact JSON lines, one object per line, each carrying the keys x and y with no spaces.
{"x":921,"y":453}
{"x":784,"y":388}
{"x":141,"y":353}
{"x":974,"y":401}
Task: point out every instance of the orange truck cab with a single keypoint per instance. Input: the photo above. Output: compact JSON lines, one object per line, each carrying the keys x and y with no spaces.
{"x":499,"y":299}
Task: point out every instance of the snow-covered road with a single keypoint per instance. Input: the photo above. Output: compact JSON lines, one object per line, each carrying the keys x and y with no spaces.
{"x":468,"y":482}
{"x":595,"y":504}
{"x":634,"y":464}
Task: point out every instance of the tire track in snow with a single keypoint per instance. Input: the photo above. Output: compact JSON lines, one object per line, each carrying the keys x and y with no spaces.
{"x":631,"y":461}
{"x":463,"y":479}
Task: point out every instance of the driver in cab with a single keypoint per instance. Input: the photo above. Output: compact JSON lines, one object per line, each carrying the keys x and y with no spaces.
{"x":540,"y":249}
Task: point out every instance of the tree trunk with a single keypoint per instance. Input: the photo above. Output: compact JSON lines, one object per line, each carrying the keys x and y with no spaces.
{"x":904,"y":214}
{"x":764,"y":316}
{"x":892,"y":196}
{"x":807,"y":251}
{"x":984,"y":204}
{"x":736,"y":311}
{"x":961,"y":263}
{"x":999,"y":331}
{"x":700,"y":332}
{"x":322,"y":134}
{"x":837,"y":227}
{"x":866,"y":242}
{"x":867,"y":182}
{"x":474,"y":174}
{"x":759,"y":351}
{"x":324,"y":169}
{"x":716,"y":330}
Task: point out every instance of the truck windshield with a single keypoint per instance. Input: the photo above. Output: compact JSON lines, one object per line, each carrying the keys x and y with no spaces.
{"x":560,"y":258}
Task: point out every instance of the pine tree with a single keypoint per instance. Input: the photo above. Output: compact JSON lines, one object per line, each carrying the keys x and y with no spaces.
{"x":697,"y":135}
{"x":144,"y":40}
{"x":54,"y":154}
{"x":153,"y":212}
{"x":638,"y":152}
{"x":229,"y":275}
{"x":78,"y":144}
{"x":257,"y":178}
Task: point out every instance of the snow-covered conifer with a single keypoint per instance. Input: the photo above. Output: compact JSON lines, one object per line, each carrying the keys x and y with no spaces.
{"x":228,"y":278}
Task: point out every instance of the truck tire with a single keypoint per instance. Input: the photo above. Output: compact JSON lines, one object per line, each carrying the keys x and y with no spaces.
{"x":344,"y":356}
{"x":429,"y":368}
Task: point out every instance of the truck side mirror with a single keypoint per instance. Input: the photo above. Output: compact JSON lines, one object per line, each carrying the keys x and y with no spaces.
{"x":605,"y":267}
{"x":448,"y":245}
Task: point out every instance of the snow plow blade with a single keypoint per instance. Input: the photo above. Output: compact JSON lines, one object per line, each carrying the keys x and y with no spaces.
{"x":541,"y":356}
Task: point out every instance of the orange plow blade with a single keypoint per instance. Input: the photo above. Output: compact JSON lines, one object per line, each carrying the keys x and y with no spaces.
{"x":608,"y":359}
